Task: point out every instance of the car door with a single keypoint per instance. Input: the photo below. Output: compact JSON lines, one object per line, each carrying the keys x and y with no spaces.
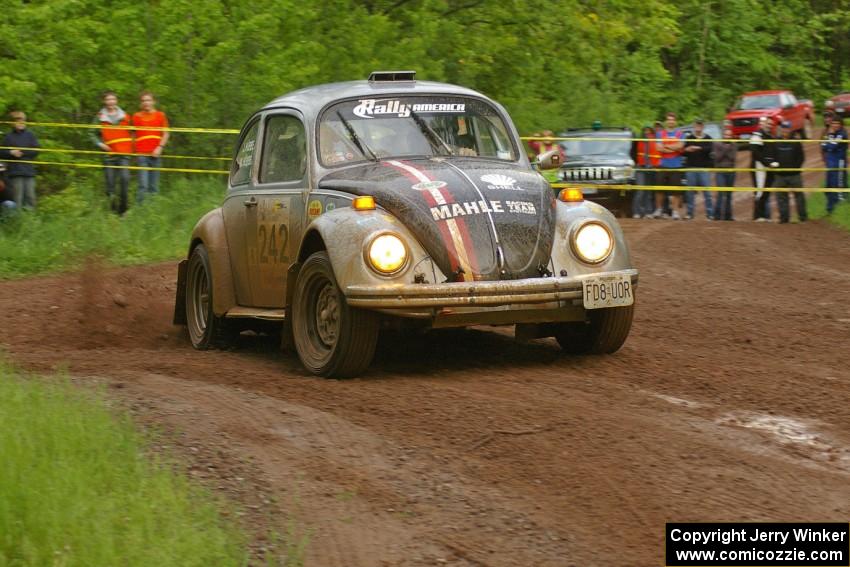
{"x":280,"y":188}
{"x":240,"y":210}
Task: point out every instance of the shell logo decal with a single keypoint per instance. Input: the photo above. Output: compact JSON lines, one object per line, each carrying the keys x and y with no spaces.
{"x":500,"y":182}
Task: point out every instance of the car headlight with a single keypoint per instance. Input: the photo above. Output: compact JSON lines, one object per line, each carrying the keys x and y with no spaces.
{"x":387,"y":254}
{"x":592,"y":242}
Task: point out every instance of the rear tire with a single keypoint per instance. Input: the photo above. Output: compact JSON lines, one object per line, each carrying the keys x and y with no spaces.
{"x":332,"y":339}
{"x":206,"y":330}
{"x":604,"y":332}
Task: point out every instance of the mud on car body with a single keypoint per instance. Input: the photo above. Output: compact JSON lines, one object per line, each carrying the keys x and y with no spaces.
{"x":392,"y":201}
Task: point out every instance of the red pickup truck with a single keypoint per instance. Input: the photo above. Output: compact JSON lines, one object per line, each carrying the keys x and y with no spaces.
{"x":777,"y":105}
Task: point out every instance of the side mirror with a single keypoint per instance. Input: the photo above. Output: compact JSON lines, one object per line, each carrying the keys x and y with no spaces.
{"x":788,"y":105}
{"x":548,"y":160}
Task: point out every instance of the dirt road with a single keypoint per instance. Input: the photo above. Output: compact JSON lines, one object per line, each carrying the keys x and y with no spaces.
{"x":728,"y":402}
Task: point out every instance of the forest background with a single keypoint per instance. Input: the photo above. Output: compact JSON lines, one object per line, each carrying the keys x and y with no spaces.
{"x":553,"y":64}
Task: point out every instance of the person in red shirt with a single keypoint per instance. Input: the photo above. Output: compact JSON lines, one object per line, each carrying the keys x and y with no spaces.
{"x":149,"y":143}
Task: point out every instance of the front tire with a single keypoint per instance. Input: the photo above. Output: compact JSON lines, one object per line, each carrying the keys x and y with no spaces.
{"x":332,"y":339}
{"x":206,"y":330}
{"x":604,"y":332}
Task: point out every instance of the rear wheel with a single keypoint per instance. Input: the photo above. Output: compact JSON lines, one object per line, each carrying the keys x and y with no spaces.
{"x":206,"y":330}
{"x":332,"y":339}
{"x":604,"y":332}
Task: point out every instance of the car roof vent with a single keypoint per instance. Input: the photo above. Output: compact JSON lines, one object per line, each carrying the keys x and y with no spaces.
{"x":391,"y":76}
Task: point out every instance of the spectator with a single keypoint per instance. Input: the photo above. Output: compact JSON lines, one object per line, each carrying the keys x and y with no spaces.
{"x":149,"y":144}
{"x":698,"y":148}
{"x":761,"y":178}
{"x":646,"y":158}
{"x":114,"y":137}
{"x":829,"y":113}
{"x":19,"y":175}
{"x":834,"y":152}
{"x":788,"y":154}
{"x":725,"y":153}
{"x":6,"y":202}
{"x":670,"y":147}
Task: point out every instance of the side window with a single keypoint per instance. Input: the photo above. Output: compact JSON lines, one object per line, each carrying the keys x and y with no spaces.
{"x":240,"y":171}
{"x":284,"y":150}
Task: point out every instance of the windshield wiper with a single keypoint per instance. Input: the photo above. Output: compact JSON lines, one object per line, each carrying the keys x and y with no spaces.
{"x":432,"y":136}
{"x":354,"y":138}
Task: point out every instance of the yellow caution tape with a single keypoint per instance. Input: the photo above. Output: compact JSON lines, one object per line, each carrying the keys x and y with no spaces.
{"x":128,"y":127}
{"x":133,"y":167}
{"x":695,"y":188}
{"x":98,"y":152}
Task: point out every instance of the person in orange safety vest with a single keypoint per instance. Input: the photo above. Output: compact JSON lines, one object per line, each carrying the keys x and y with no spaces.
{"x":114,"y":137}
{"x":647,"y":157}
{"x":149,"y":143}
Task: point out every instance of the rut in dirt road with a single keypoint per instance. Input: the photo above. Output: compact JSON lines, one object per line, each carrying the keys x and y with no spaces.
{"x":727,"y":403}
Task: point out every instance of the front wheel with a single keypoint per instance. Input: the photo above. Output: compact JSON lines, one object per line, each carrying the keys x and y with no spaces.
{"x":604,"y":332}
{"x":332,"y":339}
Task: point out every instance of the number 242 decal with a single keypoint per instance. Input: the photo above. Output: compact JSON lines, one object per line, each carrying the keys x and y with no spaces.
{"x":273,"y":240}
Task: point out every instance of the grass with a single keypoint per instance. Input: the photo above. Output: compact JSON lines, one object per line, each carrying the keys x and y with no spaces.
{"x":840,"y":216}
{"x":78,"y":488}
{"x":75,"y":224}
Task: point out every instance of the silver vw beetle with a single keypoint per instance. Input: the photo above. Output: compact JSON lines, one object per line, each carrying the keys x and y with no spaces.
{"x":395,"y":201}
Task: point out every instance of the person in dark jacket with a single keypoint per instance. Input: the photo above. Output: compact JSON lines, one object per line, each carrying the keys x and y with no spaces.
{"x":761,"y":178}
{"x":698,"y":148}
{"x":788,"y":153}
{"x":725,"y":154}
{"x":20,"y":176}
{"x":834,"y":152}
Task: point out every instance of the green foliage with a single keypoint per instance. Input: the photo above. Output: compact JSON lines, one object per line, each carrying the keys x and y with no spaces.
{"x":78,"y":488}
{"x":558,"y":64}
{"x":76,"y":223}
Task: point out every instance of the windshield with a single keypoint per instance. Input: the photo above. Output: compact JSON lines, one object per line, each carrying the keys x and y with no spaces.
{"x":406,"y":126}
{"x":598,"y":145}
{"x":757,"y":102}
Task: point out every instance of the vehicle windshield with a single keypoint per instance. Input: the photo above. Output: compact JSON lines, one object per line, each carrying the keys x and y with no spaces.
{"x":757,"y":102}
{"x":408,"y":126}
{"x":598,"y":145}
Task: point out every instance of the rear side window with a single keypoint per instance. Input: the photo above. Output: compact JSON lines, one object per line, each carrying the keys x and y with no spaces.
{"x":240,"y":171}
{"x":284,"y":150}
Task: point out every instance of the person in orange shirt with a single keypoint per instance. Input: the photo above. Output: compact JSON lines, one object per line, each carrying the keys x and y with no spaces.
{"x":149,"y":143}
{"x":114,"y":137}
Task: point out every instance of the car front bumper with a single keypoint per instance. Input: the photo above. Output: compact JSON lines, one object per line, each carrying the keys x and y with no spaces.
{"x":523,"y":292}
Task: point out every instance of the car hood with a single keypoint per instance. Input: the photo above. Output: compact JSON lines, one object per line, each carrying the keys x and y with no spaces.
{"x":477,"y":219}
{"x":755,"y":113}
{"x":596,"y":161}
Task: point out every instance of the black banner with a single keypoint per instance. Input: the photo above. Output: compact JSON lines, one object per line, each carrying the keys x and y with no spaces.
{"x":758,"y":544}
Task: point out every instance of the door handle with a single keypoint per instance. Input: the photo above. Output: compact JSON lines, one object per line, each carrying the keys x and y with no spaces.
{"x":252,"y":202}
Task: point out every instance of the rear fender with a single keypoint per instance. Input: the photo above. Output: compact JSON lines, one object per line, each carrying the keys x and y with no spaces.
{"x":210,"y":232}
{"x":344,"y":232}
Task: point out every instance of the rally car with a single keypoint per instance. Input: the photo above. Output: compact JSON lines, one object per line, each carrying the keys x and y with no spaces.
{"x":394,"y":201}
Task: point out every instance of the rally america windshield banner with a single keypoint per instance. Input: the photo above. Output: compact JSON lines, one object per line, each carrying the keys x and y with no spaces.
{"x":403,"y":107}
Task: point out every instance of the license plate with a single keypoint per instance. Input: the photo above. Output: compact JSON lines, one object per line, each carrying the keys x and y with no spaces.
{"x":607,"y":291}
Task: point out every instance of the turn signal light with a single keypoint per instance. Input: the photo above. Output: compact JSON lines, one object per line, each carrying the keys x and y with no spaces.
{"x":364,"y":203}
{"x":571,"y":195}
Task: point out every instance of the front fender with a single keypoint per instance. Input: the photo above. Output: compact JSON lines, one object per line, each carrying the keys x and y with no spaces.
{"x":210,"y":232}
{"x":569,"y":216}
{"x":345,"y":232}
